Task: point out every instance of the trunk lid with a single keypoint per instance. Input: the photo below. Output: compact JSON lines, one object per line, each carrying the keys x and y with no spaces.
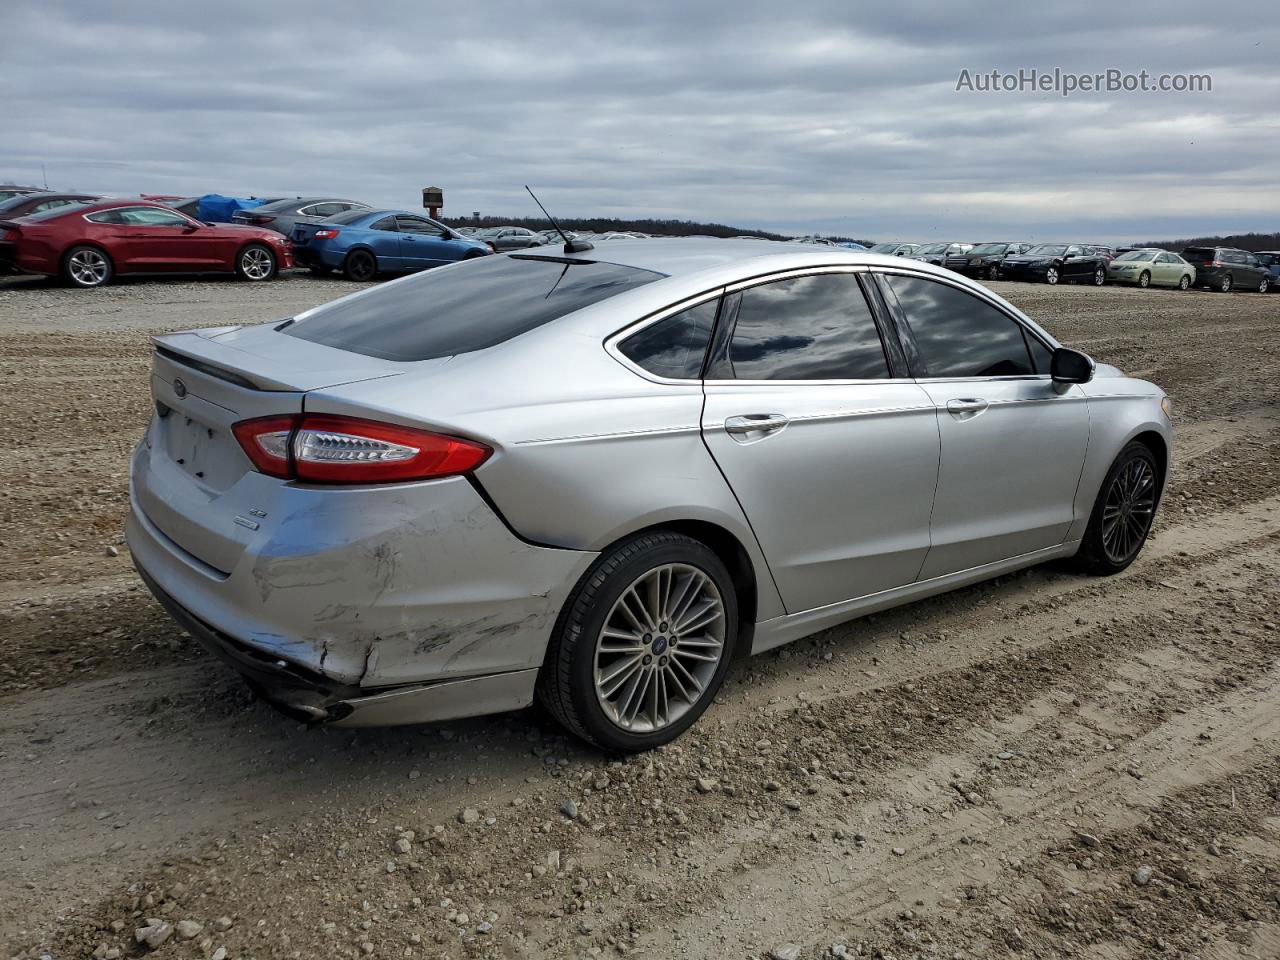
{"x":191,"y":478}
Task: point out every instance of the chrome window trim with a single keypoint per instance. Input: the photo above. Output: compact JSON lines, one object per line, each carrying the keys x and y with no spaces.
{"x":611,"y":342}
{"x":88,"y":217}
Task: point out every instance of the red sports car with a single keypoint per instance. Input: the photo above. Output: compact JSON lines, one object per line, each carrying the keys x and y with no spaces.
{"x":89,"y":244}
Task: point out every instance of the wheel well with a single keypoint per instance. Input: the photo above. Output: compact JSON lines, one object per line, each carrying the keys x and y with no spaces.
{"x":101,"y":249}
{"x":735,"y":558}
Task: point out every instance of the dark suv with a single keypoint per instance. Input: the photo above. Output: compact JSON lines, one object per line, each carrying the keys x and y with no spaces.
{"x":1226,"y":269}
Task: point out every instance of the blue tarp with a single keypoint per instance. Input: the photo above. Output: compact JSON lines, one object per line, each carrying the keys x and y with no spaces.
{"x":215,"y":208}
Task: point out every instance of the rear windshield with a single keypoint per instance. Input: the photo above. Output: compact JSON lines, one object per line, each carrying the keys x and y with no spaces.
{"x":1199,"y":253}
{"x":469,"y":306}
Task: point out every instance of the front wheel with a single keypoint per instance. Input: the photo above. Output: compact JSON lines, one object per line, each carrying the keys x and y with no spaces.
{"x":1263,"y":284}
{"x":993,"y":272}
{"x":255,"y":263}
{"x":642,"y":644}
{"x":360,"y":265}
{"x":1122,"y":514}
{"x":86,"y":267}
{"x":1184,"y":283}
{"x":1051,"y":276}
{"x":1224,"y":284}
{"x":1145,"y":279}
{"x":1100,"y":277}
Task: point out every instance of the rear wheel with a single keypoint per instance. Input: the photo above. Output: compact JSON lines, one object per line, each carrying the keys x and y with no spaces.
{"x":255,"y":262}
{"x":360,"y":265}
{"x":1122,"y":514}
{"x":993,"y":272}
{"x":1184,"y":283}
{"x":643,"y":643}
{"x":1100,"y":277}
{"x":1263,"y":284}
{"x":1051,"y":275}
{"x":1145,"y":279}
{"x":1224,"y":284}
{"x":86,"y":267}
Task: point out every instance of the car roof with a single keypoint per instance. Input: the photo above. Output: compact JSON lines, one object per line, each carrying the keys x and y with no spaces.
{"x":303,"y":201}
{"x":686,"y":256}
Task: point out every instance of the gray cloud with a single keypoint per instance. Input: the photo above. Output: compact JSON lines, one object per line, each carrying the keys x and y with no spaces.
{"x":829,"y":116}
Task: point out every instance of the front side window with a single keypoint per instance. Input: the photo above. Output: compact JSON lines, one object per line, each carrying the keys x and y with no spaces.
{"x":675,"y":346}
{"x":151,"y":217}
{"x":807,"y":328}
{"x":959,"y":335}
{"x":470,"y":306}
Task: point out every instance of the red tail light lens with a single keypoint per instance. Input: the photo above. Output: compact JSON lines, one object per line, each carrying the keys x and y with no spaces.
{"x":350,"y":450}
{"x":258,"y":218}
{"x":325,"y":234}
{"x":265,"y":441}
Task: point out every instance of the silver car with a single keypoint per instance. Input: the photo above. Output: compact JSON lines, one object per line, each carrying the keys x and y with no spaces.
{"x":596,"y":477}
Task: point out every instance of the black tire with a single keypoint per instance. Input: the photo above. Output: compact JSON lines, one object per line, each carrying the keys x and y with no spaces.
{"x":566,"y":683}
{"x":256,"y":263}
{"x":87,"y":266}
{"x":360,"y":266}
{"x":1185,"y":282}
{"x":1224,"y":285}
{"x":1097,"y":555}
{"x":1144,"y":279}
{"x":318,"y":270}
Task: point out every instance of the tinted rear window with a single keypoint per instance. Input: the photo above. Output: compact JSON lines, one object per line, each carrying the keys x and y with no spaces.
{"x":349,"y":216}
{"x":466,"y":307}
{"x":1199,"y":253}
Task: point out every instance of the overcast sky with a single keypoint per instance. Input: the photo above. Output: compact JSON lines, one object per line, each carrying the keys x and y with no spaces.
{"x":829,"y":117}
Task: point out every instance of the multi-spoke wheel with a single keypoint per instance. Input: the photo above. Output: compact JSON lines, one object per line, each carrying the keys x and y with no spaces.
{"x":1051,"y":275}
{"x":1123,"y":513}
{"x":659,"y":647}
{"x":256,"y":262}
{"x":642,"y":644}
{"x":86,"y":267}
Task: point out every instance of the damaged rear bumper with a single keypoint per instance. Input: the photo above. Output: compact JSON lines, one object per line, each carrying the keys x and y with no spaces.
{"x":397,"y":604}
{"x":314,"y":698}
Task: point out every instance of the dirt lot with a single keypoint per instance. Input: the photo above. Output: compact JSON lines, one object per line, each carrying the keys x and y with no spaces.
{"x":1042,"y":766}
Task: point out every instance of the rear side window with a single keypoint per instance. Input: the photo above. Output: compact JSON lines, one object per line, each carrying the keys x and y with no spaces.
{"x":676,"y":346}
{"x":464,"y":307}
{"x":959,"y":335}
{"x":807,"y":328}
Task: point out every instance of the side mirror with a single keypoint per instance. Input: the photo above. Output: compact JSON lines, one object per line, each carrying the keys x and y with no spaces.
{"x":1071,"y":366}
{"x":191,"y":228}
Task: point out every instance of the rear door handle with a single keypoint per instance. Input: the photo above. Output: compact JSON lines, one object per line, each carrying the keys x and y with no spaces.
{"x":755,"y":423}
{"x":966,"y":407}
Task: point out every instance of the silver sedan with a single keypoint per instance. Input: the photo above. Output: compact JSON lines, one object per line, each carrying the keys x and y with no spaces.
{"x":595,"y":476}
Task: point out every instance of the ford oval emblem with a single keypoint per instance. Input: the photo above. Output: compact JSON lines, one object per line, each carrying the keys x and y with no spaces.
{"x":179,"y":388}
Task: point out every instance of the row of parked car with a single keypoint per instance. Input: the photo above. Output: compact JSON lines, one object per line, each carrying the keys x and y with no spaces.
{"x":1218,"y":268}
{"x":87,"y":240}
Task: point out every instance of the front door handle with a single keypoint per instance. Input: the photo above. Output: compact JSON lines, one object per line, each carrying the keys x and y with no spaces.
{"x":755,"y":423}
{"x":966,"y":407}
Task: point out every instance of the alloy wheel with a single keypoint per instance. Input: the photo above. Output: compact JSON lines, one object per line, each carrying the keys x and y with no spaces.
{"x":1145,"y":279}
{"x":1099,"y":277}
{"x":1263,"y":284}
{"x":1051,"y":275}
{"x":1225,"y":285}
{"x":89,"y":268}
{"x":1184,"y":283}
{"x":659,"y":648}
{"x":256,"y":263}
{"x":1129,"y":510}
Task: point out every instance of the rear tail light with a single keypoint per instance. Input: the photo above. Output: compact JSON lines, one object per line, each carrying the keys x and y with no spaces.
{"x":316,"y":448}
{"x":325,"y":234}
{"x":1216,"y":263}
{"x":258,"y":218}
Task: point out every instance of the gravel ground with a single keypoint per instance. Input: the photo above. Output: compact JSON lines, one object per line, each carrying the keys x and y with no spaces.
{"x":1042,"y":766}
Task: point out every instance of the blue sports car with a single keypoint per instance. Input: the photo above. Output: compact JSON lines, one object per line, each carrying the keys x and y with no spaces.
{"x":364,"y":243}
